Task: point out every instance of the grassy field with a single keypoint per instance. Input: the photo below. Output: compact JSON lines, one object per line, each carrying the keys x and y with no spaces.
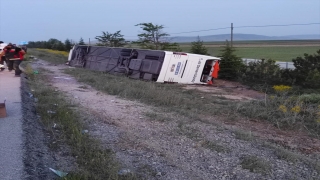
{"x":277,"y":50}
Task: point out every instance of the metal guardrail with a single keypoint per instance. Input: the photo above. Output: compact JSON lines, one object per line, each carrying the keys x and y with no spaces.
{"x":283,"y":65}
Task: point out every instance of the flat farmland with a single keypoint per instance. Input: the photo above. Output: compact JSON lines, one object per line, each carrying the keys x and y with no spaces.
{"x":276,"y":50}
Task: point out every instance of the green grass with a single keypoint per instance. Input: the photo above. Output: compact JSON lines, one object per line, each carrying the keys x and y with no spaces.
{"x":283,"y":153}
{"x":263,"y":42}
{"x":293,"y":157}
{"x":243,"y":135}
{"x":255,"y":164}
{"x":157,"y":116}
{"x":276,"y":53}
{"x":188,"y":131}
{"x":310,"y":98}
{"x":214,"y":146}
{"x":83,"y":87}
{"x":285,"y":112}
{"x":279,"y":50}
{"x":168,"y":96}
{"x":51,"y":57}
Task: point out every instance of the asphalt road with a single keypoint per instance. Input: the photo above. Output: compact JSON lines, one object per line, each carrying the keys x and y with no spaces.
{"x":11,"y":140}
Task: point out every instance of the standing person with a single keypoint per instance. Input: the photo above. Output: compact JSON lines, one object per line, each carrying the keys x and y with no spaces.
{"x":8,"y":53}
{"x":14,"y":56}
{"x":19,"y":54}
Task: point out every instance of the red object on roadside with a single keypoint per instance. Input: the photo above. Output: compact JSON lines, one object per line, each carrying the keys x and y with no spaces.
{"x":216,"y":70}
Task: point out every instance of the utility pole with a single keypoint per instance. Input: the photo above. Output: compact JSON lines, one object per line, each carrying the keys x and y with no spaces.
{"x":89,"y":41}
{"x":231,"y":34}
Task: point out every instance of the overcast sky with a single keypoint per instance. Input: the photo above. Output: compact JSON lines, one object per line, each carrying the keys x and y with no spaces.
{"x":35,"y":20}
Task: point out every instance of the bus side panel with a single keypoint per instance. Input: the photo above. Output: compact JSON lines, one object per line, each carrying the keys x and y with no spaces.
{"x":165,"y":67}
{"x":175,"y":67}
{"x":194,"y":66}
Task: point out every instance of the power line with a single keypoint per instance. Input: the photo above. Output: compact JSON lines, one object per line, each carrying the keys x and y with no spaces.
{"x":279,"y":25}
{"x":274,"y":25}
{"x":247,"y":27}
{"x":201,"y":30}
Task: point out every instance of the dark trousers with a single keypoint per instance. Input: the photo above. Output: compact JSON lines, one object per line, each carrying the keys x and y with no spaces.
{"x":16,"y":64}
{"x":10,"y":64}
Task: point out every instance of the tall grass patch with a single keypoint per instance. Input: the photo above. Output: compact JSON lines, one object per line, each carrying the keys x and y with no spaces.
{"x":171,"y":96}
{"x":294,"y":157}
{"x":214,"y":146}
{"x":285,"y":111}
{"x":52,"y":56}
{"x":255,"y":164}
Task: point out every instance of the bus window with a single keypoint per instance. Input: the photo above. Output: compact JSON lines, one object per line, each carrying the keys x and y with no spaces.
{"x":207,"y":71}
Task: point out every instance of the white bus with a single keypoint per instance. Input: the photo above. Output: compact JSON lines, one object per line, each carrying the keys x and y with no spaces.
{"x":153,"y":65}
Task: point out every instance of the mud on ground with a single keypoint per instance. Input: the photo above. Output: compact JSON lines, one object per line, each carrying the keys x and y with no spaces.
{"x":175,"y":147}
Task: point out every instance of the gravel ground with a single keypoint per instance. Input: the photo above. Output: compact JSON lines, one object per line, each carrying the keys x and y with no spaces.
{"x":175,"y":148}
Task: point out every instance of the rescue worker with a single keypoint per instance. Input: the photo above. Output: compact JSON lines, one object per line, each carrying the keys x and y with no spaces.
{"x":14,"y":56}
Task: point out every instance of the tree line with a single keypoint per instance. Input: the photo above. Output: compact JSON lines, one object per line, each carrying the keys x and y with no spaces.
{"x":152,"y":37}
{"x":54,"y":44}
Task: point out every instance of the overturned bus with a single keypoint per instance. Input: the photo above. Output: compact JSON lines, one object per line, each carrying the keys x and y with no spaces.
{"x":152,"y":65}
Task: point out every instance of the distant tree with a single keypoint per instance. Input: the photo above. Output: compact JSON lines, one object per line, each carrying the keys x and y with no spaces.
{"x":111,"y":39}
{"x":53,"y":43}
{"x":72,"y":42}
{"x":32,"y":44}
{"x":67,"y":44}
{"x":230,"y":64}
{"x":263,"y":73}
{"x":307,"y":70}
{"x":154,"y":38}
{"x":81,"y":42}
{"x":197,"y":47}
{"x":58,"y":46}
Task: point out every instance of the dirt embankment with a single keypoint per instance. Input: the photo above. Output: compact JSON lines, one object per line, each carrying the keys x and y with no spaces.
{"x":176,"y":147}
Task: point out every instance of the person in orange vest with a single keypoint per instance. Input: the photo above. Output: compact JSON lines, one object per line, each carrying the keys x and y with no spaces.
{"x":216,"y":70}
{"x":14,"y":56}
